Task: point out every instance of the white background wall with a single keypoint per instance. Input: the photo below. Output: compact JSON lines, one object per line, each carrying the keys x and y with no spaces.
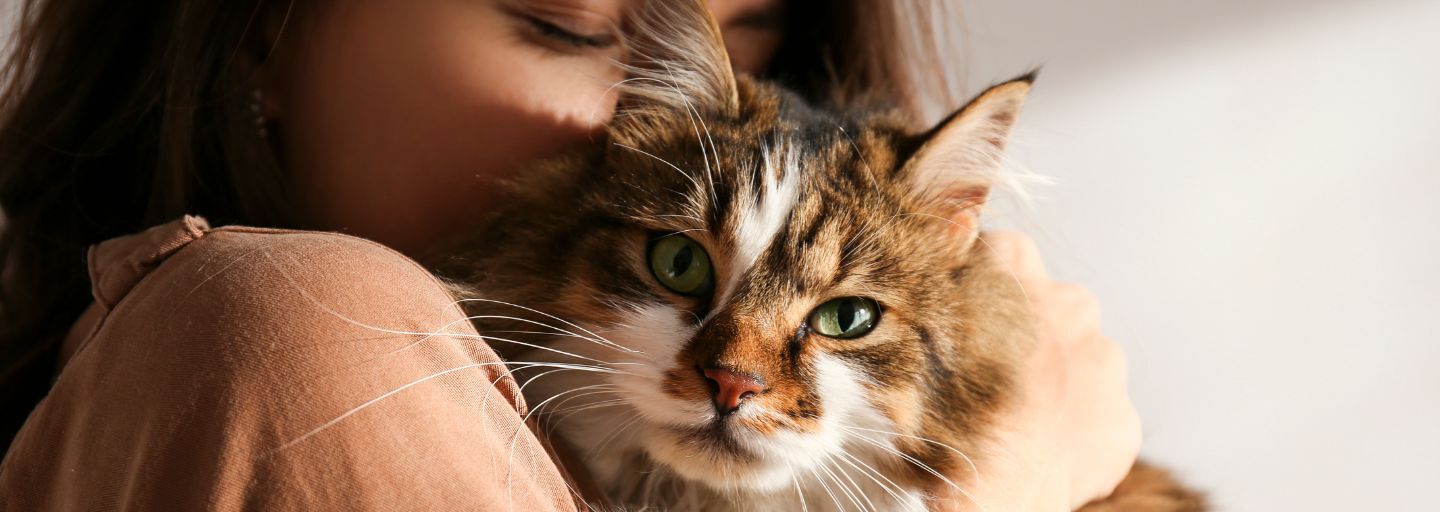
{"x":1252,"y":188}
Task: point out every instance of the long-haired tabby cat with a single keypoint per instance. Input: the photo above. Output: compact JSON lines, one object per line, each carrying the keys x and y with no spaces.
{"x":742,"y":302}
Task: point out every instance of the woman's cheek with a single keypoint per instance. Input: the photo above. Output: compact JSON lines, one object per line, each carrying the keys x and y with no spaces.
{"x":402,"y":126}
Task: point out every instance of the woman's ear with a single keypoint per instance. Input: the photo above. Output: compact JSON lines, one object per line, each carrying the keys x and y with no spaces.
{"x":951,"y":173}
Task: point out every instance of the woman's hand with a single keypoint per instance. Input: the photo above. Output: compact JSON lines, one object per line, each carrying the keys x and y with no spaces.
{"x":1075,"y":434}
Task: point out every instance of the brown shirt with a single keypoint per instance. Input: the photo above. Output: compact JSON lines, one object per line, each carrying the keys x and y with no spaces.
{"x":242,"y":368}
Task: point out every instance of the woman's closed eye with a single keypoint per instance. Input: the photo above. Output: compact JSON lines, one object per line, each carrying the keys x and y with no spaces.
{"x":550,"y":30}
{"x":565,"y":28}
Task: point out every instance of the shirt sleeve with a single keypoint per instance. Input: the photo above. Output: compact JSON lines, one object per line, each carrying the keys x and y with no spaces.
{"x":282,"y":370}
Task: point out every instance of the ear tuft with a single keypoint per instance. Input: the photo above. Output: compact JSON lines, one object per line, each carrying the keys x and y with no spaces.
{"x":959,"y":160}
{"x":678,"y":58}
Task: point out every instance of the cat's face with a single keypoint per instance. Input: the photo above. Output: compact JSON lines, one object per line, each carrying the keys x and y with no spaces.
{"x":769,"y":290}
{"x":785,"y":288}
{"x":788,"y":302}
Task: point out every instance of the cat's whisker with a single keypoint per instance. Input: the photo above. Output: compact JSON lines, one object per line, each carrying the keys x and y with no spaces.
{"x":542,"y":333}
{"x":600,"y":389}
{"x":510,"y":371}
{"x":889,"y":486}
{"x":548,"y":333}
{"x":818,"y":479}
{"x":346,"y":318}
{"x":799,"y":491}
{"x":974,"y":470}
{"x":560,"y":408}
{"x":556,"y":351}
{"x":564,"y":414}
{"x":852,"y":491}
{"x":605,"y":441}
{"x":559,"y":332}
{"x":352,"y":411}
{"x":510,"y":467}
{"x":559,"y":413}
{"x":552,"y":317}
{"x":923,"y":466}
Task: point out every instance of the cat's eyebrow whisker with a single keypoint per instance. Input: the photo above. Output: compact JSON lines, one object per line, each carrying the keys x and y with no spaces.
{"x":618,"y":84}
{"x":923,"y":466}
{"x":553,"y":317}
{"x":974,"y":470}
{"x":663,"y":161}
{"x":865,"y":237}
{"x":864,"y":164}
{"x":691,"y":113}
{"x":698,"y":220}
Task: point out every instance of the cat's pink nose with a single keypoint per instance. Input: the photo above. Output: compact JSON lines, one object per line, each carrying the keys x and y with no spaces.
{"x":730,"y":387}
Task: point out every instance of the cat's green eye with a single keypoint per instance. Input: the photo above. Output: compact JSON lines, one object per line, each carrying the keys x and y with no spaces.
{"x":682,"y":265}
{"x":845,"y":317}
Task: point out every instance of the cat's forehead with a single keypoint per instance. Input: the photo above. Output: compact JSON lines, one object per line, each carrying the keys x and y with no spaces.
{"x":784,"y":197}
{"x":777,"y":140}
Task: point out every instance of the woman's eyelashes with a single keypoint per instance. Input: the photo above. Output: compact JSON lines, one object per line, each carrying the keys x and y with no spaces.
{"x":555,"y":32}
{"x":569,"y":26}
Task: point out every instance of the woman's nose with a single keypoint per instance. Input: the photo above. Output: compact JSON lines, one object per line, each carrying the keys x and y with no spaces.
{"x":730,"y":388}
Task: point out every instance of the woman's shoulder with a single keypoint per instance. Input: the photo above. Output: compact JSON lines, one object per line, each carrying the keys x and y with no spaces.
{"x":239,"y":364}
{"x":190,"y":257}
{"x":192,"y":279}
{"x":190,"y":252}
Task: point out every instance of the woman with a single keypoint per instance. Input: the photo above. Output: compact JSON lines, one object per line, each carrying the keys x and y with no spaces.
{"x":197,"y":374}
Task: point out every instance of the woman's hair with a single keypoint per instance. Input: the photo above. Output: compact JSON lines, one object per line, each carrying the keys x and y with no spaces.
{"x":117,"y":116}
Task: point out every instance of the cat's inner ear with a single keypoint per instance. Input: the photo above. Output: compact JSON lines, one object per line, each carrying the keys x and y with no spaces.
{"x":957,"y":162}
{"x":677,"y":60}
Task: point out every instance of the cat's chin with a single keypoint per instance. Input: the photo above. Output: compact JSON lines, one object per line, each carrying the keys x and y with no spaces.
{"x":716,"y":460}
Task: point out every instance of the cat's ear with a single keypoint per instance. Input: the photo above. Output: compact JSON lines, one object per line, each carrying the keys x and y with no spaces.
{"x":950,"y":174}
{"x":677,"y":62}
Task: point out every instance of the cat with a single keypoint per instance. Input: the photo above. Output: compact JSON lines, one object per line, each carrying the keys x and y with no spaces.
{"x":743,"y":302}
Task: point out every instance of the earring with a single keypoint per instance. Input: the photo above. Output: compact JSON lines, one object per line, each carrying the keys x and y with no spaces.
{"x":257,"y":110}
